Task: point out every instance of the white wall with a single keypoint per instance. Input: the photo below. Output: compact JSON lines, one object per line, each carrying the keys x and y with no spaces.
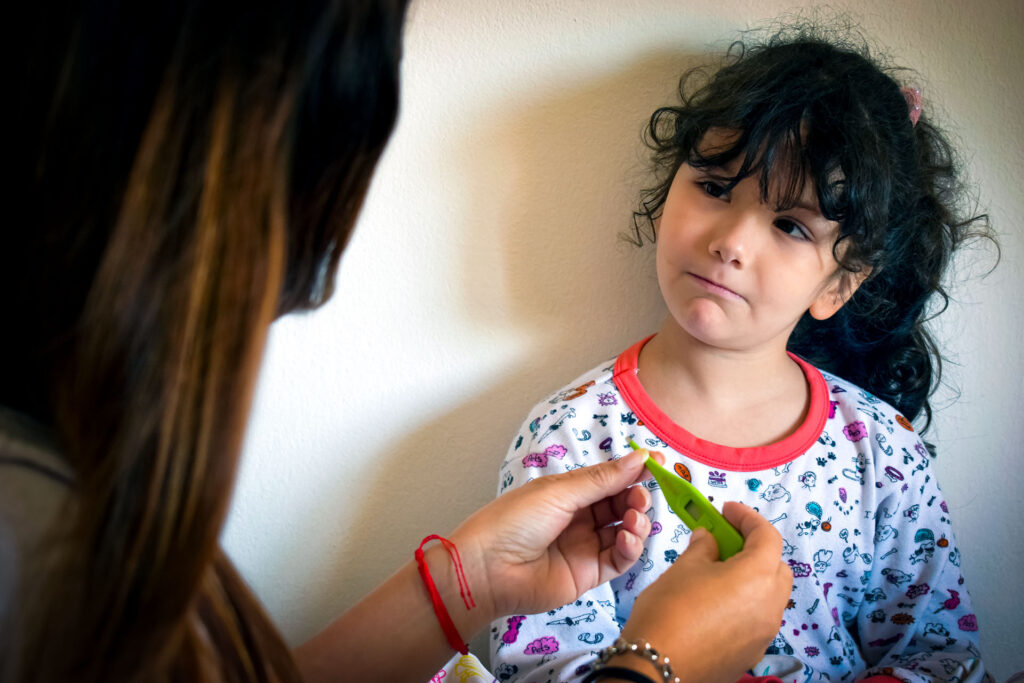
{"x":486,"y":272}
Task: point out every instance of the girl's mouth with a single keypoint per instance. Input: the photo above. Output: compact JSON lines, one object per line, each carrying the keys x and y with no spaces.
{"x":715,"y":288}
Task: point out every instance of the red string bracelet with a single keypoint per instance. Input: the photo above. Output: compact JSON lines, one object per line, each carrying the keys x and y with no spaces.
{"x":447,"y":625}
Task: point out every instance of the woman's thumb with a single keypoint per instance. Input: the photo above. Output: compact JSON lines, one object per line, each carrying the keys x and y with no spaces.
{"x":702,"y":545}
{"x":591,"y":484}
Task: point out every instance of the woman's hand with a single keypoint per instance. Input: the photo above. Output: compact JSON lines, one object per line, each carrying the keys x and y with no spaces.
{"x":544,"y":544}
{"x":714,"y":619}
{"x":534,"y":548}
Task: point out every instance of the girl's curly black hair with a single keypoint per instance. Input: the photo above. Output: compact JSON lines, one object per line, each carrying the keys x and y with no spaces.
{"x":824,"y":110}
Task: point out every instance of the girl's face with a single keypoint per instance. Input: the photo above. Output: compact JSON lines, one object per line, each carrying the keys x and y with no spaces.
{"x":735,"y":272}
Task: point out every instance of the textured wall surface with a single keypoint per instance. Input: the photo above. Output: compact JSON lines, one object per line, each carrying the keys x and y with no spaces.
{"x":487,"y":263}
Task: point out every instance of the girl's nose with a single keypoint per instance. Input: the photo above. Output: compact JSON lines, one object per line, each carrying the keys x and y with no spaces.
{"x":732,"y":237}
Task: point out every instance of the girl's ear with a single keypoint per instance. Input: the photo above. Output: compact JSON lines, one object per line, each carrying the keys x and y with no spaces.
{"x":837,"y":292}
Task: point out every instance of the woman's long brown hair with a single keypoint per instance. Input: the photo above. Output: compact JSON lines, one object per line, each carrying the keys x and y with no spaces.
{"x":190,"y":170}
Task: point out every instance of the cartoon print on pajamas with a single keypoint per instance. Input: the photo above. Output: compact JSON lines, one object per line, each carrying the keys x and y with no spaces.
{"x":876,"y":569}
{"x":511,"y":634}
{"x":466,"y":669}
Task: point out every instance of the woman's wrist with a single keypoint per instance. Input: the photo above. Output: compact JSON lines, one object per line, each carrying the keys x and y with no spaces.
{"x":638,"y":654}
{"x":664,"y":643}
{"x":470,"y":604}
{"x":633,"y":663}
{"x":402,"y":608}
{"x":617,"y":674}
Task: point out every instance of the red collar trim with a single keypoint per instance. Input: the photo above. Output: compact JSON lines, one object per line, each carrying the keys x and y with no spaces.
{"x":713,"y":454}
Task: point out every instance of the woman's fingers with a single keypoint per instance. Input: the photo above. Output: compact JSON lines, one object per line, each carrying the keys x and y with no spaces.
{"x":627,"y":545}
{"x":586,"y":486}
{"x":633,"y":498}
{"x":744,"y":518}
{"x":608,"y":487}
{"x":634,"y":523}
{"x":759,"y":536}
{"x":626,"y":551}
{"x":612,"y":510}
{"x":703,"y":546}
{"x":763,"y":546}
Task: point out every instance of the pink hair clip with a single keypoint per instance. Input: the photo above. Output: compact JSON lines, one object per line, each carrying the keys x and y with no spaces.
{"x":913,"y":98}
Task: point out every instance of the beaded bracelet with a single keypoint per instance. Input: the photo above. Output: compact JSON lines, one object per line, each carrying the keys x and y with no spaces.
{"x":641,"y":648}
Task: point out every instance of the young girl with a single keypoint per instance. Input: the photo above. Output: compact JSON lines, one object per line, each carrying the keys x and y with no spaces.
{"x":806,"y":212}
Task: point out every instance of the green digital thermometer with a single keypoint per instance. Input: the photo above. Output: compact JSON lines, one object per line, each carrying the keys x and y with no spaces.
{"x":694,"y":509}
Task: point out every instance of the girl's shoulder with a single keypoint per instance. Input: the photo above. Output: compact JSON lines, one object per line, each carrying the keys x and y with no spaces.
{"x":565,"y":430}
{"x":862,"y":414}
{"x":584,"y":388}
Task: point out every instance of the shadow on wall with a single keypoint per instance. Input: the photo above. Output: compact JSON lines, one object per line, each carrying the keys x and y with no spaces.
{"x":551,"y":181}
{"x":562,"y":173}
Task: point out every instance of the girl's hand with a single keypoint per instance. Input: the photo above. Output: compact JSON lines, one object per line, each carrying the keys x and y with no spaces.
{"x":544,"y":544}
{"x":714,"y":619}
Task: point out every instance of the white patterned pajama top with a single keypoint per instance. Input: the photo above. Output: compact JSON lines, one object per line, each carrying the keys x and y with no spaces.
{"x":877,"y":585}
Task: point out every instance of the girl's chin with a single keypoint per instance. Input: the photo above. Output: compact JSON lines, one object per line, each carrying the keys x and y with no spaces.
{"x":706,"y":320}
{"x":721,"y":332}
{"x":707,"y":335}
{"x":708,"y":325}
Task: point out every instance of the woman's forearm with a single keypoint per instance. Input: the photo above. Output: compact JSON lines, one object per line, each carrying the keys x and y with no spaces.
{"x":393,"y":633}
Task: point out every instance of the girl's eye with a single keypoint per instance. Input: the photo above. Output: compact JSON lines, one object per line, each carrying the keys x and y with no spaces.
{"x":792,"y":228}
{"x":713,"y":189}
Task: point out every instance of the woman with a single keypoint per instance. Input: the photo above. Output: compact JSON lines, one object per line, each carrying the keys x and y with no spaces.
{"x":187,"y":172}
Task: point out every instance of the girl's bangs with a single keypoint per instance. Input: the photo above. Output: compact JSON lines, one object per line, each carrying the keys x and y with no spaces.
{"x":784,"y":158}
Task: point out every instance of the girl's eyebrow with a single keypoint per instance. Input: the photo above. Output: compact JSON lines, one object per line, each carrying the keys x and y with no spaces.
{"x":716,"y":172}
{"x":807,"y":206}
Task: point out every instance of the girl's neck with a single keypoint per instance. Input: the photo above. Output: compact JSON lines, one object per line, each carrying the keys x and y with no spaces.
{"x":733,"y":398}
